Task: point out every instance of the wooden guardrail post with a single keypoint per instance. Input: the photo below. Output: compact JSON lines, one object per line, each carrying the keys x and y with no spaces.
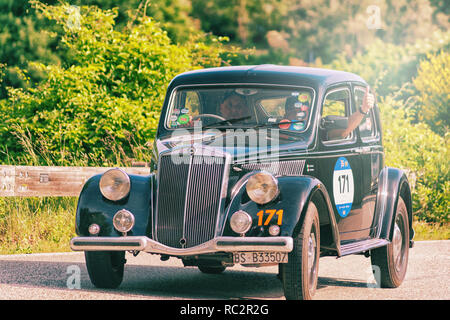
{"x":30,"y":181}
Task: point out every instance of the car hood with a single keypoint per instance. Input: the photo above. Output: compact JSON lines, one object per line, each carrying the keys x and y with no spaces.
{"x":243,"y":146}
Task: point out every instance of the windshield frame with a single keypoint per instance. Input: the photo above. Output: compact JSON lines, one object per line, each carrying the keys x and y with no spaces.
{"x":237,"y":85}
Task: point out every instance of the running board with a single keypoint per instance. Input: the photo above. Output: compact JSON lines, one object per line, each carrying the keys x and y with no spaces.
{"x":361,"y":246}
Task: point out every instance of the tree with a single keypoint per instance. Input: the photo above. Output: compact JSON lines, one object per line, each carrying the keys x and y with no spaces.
{"x":433,"y":83}
{"x":110,"y":88}
{"x":308,"y":30}
{"x":22,"y":42}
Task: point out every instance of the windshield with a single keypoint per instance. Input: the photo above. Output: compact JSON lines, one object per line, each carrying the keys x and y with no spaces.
{"x":243,"y":107}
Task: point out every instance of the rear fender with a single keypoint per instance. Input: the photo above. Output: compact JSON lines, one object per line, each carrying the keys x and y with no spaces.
{"x":392,"y":184}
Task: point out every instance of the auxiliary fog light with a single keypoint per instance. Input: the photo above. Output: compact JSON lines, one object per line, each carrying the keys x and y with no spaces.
{"x":123,"y":221}
{"x":274,"y":230}
{"x":240,"y":222}
{"x":94,"y":229}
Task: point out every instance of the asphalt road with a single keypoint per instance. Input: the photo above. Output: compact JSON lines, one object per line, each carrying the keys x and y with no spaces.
{"x":63,"y":276}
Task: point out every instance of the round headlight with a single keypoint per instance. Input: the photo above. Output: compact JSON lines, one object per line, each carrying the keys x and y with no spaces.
{"x":115,"y":184}
{"x":123,"y":220}
{"x":240,"y":222}
{"x":262,"y":187}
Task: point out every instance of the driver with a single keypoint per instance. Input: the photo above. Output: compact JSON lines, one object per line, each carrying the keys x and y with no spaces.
{"x":233,"y":106}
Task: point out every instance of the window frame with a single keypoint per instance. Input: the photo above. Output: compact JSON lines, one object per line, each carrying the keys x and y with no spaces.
{"x":375,"y":132}
{"x":352,"y":138}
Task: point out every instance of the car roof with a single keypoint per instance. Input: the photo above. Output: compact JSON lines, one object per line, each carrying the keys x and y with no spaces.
{"x":266,"y":74}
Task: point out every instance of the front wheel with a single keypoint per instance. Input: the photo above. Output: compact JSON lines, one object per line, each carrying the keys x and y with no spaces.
{"x":389,"y":263}
{"x":105,"y":268}
{"x":211,"y":269}
{"x":300,"y":274}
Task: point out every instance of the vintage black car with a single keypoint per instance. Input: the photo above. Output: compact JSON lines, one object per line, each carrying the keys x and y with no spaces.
{"x":250,"y":167}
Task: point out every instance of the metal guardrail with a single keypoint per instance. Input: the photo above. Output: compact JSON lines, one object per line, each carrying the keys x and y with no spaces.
{"x":31,"y":181}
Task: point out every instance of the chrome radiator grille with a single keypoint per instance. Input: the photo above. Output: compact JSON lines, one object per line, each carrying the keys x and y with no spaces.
{"x":282,"y":168}
{"x":189,"y":198}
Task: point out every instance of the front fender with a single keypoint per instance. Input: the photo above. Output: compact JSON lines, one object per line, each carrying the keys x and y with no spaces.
{"x":295,"y":194}
{"x":392,"y":184}
{"x":94,"y":208}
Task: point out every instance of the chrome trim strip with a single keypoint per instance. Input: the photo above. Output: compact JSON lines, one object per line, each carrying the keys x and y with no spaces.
{"x":218,"y":244}
{"x":191,"y":159}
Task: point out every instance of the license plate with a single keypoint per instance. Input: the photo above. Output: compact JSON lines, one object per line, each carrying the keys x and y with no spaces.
{"x":259,"y":257}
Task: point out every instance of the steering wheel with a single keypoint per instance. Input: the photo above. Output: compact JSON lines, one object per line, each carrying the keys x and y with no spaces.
{"x":208,"y":115}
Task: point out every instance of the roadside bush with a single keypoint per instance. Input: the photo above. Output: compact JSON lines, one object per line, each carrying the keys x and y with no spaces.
{"x":433,"y":83}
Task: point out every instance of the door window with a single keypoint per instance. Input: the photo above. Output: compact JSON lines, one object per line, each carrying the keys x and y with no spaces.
{"x":367,"y":128}
{"x":335,"y":112}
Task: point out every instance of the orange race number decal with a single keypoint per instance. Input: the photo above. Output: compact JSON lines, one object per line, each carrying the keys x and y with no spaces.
{"x":267,"y":215}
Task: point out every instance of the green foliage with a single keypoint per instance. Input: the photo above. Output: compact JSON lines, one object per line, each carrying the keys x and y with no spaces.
{"x":22,"y":42}
{"x":112,"y":86}
{"x":433,"y":83}
{"x":423,"y":155}
{"x":308,"y":30}
{"x":387,"y":67}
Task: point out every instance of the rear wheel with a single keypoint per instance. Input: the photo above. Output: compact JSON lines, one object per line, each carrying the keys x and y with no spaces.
{"x":300,"y":274}
{"x":105,"y":268}
{"x":389,"y":263}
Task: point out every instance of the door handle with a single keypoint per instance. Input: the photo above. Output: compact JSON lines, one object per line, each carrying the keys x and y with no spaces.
{"x":361,"y":150}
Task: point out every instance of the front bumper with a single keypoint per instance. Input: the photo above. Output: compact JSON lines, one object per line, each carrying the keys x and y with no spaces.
{"x":219,"y":244}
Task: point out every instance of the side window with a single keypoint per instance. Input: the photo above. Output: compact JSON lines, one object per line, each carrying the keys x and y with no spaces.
{"x":367,"y":127}
{"x":335,"y":112}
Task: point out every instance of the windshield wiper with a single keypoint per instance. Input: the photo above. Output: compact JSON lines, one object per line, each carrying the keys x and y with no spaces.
{"x":228,"y":121}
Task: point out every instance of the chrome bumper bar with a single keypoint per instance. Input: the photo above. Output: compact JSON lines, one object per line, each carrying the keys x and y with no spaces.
{"x":219,"y":244}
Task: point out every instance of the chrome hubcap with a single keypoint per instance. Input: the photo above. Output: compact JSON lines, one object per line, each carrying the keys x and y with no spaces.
{"x":312,"y":257}
{"x":397,"y":245}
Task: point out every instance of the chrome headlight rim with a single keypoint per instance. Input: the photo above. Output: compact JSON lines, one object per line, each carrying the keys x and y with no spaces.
{"x":108,"y":194}
{"x":245,"y":216}
{"x":129,"y":215}
{"x":262,"y":198}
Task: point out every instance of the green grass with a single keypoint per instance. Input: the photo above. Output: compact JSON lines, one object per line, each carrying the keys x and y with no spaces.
{"x":36,"y":225}
{"x":431,"y":231}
